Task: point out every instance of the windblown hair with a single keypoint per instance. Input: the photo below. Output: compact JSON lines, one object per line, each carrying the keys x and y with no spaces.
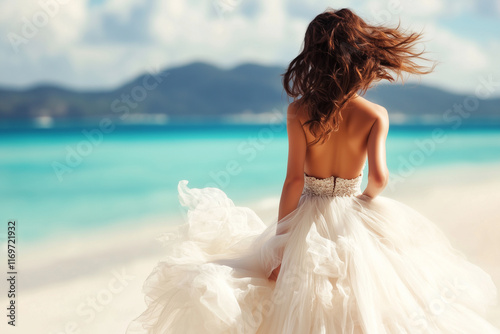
{"x":343,"y":55}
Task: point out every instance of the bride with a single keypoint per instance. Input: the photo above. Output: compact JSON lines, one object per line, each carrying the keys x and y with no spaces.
{"x":337,"y":259}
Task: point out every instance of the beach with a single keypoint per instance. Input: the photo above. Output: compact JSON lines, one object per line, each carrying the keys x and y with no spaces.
{"x":117,"y":117}
{"x":91,"y":282}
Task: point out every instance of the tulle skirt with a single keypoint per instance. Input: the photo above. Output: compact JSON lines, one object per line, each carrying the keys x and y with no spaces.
{"x":348,"y":265}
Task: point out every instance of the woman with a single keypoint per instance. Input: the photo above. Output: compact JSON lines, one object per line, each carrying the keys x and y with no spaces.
{"x":337,"y":260}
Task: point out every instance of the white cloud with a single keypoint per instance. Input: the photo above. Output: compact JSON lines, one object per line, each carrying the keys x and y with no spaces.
{"x":54,"y":22}
{"x":227,"y":39}
{"x":461,"y":60}
{"x":102,"y":46}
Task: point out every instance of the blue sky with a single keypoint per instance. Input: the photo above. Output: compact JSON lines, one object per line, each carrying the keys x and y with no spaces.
{"x":92,"y":44}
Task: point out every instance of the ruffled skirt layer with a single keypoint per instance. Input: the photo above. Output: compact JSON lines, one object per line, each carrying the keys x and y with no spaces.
{"x":348,"y":265}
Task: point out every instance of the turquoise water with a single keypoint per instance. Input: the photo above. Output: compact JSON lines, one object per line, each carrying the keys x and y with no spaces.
{"x":58,"y":181}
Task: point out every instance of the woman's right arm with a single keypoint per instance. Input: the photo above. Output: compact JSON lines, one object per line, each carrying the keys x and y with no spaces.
{"x":378,"y":173}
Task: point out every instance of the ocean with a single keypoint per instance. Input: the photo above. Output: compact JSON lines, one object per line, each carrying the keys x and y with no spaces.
{"x":59,"y":181}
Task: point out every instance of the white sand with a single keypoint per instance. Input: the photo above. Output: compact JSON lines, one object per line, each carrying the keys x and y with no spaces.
{"x":92,"y":283}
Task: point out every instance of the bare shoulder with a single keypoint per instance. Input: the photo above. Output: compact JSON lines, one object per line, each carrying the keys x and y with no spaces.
{"x":369,"y":112}
{"x":296,"y":111}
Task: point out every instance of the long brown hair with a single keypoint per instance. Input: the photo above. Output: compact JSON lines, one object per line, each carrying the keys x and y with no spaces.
{"x":343,"y":55}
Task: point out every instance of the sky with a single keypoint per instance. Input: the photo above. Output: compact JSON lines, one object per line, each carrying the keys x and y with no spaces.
{"x":100,"y":44}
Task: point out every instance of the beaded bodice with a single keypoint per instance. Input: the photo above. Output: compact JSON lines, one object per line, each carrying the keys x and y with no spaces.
{"x":332,"y":186}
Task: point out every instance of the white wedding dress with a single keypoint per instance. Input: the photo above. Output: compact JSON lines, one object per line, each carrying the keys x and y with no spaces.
{"x":348,"y":265}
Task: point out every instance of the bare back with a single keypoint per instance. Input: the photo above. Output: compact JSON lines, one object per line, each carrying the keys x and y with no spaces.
{"x":362,"y":133}
{"x":344,"y":153}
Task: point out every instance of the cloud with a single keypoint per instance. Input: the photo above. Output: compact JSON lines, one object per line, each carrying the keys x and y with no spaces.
{"x":108,"y":27}
{"x":486,"y":8}
{"x":462,"y":60}
{"x":53,"y":23}
{"x":89,"y":44}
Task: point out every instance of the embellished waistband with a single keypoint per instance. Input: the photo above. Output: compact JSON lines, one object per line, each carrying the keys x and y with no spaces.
{"x":332,"y":186}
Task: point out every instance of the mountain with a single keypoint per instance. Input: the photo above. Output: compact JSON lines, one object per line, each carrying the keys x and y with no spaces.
{"x":203,"y":91}
{"x":423,"y":104}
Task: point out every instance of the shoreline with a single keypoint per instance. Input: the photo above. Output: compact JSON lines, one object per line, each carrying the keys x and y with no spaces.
{"x":403,"y":186}
{"x":462,"y":200}
{"x":417,"y":191}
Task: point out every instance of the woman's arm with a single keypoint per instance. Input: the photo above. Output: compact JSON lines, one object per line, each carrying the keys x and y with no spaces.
{"x":378,"y":173}
{"x":294,"y":181}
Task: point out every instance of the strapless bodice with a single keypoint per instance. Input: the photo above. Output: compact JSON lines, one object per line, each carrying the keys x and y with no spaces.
{"x":332,"y":186}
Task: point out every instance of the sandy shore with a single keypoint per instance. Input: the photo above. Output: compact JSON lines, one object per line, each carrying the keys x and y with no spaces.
{"x":92,"y":283}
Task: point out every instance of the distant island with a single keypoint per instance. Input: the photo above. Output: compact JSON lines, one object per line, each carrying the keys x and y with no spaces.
{"x":246,"y":93}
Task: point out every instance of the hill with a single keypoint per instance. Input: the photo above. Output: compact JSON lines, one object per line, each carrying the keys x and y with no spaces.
{"x":203,"y":91}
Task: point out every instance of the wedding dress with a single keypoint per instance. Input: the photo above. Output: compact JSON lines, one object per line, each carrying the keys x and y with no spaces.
{"x":349,"y":264}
